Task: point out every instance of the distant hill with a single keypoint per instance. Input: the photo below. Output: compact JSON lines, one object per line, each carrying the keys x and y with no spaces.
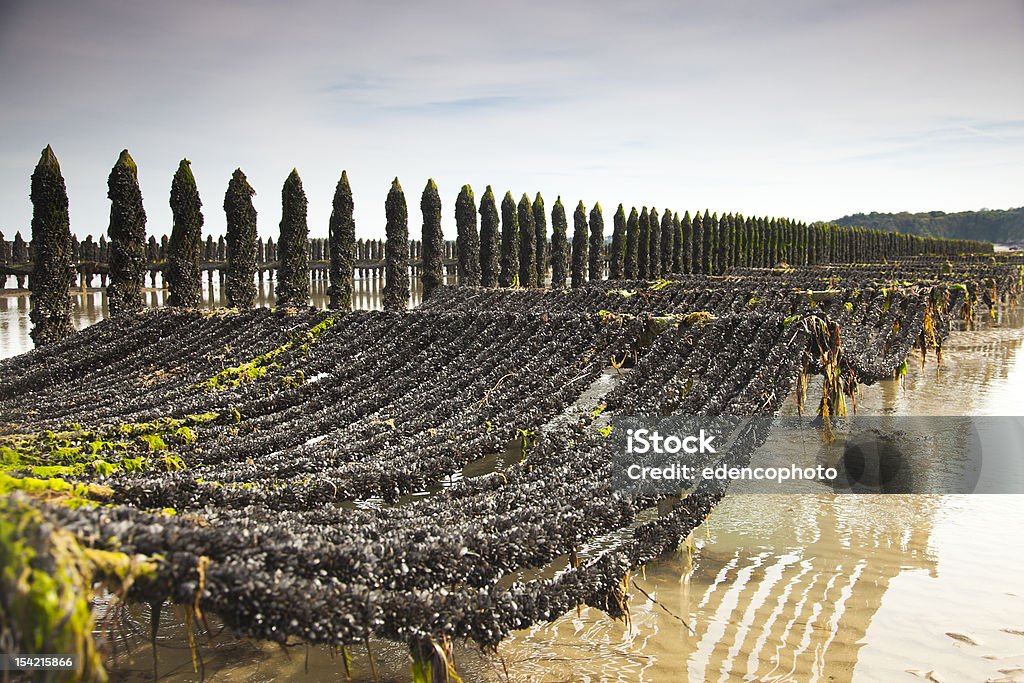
{"x":1000,"y":226}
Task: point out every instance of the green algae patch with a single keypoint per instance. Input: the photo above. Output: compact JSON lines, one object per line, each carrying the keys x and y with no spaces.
{"x":293,"y":380}
{"x":153,"y":442}
{"x":55,"y":489}
{"x":102,"y":451}
{"x":185,"y":435}
{"x":51,"y":471}
{"x":46,"y":587}
{"x":252,"y":370}
{"x":173,"y":463}
{"x":232,"y":377}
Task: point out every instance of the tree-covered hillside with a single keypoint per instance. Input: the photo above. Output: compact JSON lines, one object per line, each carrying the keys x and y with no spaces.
{"x":1000,"y":226}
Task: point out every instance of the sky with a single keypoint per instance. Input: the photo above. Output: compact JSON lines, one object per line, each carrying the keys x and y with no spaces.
{"x":798,"y":108}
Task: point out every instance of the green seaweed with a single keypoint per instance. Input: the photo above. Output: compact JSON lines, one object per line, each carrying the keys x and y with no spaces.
{"x":101,"y":451}
{"x":46,"y":586}
{"x":185,"y":435}
{"x":153,"y":442}
{"x":251,"y":370}
{"x":54,"y":488}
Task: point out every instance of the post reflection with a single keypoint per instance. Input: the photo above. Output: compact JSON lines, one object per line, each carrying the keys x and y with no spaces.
{"x":89,"y":305}
{"x":773,"y":587}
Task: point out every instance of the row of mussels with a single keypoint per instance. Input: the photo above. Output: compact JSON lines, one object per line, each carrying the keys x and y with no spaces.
{"x":387,"y":569}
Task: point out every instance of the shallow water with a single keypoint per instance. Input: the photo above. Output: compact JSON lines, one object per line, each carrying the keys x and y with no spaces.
{"x":831,"y":587}
{"x":813,"y":587}
{"x":89,"y":307}
{"x":772,"y":587}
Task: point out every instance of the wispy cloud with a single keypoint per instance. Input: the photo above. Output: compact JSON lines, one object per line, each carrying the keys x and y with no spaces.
{"x":956,"y":142}
{"x":470,"y":104}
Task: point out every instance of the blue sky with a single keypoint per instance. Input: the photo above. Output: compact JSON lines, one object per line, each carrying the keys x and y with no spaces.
{"x":797,"y":108}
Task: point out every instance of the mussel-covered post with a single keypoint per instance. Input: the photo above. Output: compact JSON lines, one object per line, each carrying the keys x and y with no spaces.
{"x":737,"y":232}
{"x":184,"y":282}
{"x":772,"y":228}
{"x":643,"y":243}
{"x":697,"y":237}
{"x":559,"y":245}
{"x":488,"y":239}
{"x":293,"y":245}
{"x":509,"y":241}
{"x":342,"y":240}
{"x":654,"y":245}
{"x":757,"y":242}
{"x":432,"y":268}
{"x":241,"y":238}
{"x":677,"y":244}
{"x":668,"y":242}
{"x":579,"y":245}
{"x":52,"y":271}
{"x":719,"y":238}
{"x":467,"y":240}
{"x":754,"y":242}
{"x":19,"y":249}
{"x":761,"y":242}
{"x":127,"y":233}
{"x":724,"y":245}
{"x":710,"y":226}
{"x":596,"y":263}
{"x":396,"y":250}
{"x":629,"y":265}
{"x":540,"y":230}
{"x":618,"y":244}
{"x":527,"y":258}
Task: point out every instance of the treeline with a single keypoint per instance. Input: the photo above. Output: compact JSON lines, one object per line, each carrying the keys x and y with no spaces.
{"x":1001,"y":226}
{"x":505,"y":249}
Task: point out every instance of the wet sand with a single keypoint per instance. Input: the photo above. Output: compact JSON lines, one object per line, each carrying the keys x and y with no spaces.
{"x":813,"y":587}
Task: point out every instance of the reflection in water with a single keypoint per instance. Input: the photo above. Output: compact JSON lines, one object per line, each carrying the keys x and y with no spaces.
{"x":778,"y":587}
{"x":89,"y":307}
{"x":808,"y":588}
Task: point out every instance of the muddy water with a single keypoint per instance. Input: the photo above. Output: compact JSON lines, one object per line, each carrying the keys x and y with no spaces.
{"x":773,"y":587}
